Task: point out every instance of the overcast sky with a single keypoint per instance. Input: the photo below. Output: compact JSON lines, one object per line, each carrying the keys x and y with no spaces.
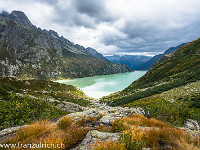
{"x":116,"y":26}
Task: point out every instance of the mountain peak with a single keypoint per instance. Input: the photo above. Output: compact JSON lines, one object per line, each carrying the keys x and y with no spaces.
{"x":17,"y":16}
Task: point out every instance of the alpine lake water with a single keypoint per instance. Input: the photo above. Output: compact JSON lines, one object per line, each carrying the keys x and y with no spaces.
{"x":99,"y":86}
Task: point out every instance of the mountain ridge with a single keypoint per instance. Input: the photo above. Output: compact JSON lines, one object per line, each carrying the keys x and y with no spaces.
{"x":30,"y":52}
{"x":147,"y":65}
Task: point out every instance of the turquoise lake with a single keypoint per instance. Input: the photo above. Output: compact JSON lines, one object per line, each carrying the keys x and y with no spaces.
{"x":99,"y":86}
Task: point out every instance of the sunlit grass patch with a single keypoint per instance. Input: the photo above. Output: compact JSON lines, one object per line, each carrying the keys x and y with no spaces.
{"x":84,"y":120}
{"x":139,"y":132}
{"x":64,"y":122}
{"x":74,"y":134}
{"x":140,"y":120}
{"x":46,"y":132}
{"x":32,"y":133}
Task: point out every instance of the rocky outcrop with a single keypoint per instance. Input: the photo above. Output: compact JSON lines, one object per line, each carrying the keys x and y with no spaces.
{"x":17,"y":16}
{"x":192,"y":124}
{"x":106,"y":114}
{"x":192,"y":127}
{"x":67,"y":106}
{"x":10,"y":131}
{"x":95,"y":136}
{"x":99,"y":114}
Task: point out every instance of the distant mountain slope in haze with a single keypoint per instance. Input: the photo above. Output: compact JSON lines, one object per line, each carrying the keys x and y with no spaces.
{"x":132,"y":61}
{"x":29,"y":52}
{"x":173,"y":70}
{"x":147,"y":65}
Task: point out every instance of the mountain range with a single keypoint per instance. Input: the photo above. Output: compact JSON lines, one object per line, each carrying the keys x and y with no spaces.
{"x":30,"y":52}
{"x":133,"y":61}
{"x":140,"y":62}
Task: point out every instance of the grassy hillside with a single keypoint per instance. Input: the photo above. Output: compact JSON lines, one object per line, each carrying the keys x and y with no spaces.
{"x":177,"y":69}
{"x":25,"y":101}
{"x":174,"y":106}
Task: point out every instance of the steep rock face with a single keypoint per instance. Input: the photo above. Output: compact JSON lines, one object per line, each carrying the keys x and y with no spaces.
{"x":147,"y":65}
{"x":94,"y":53}
{"x":29,"y":52}
{"x":17,"y":16}
{"x":133,"y":61}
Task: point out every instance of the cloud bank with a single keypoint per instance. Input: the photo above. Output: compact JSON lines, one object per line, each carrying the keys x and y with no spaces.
{"x":116,"y":27}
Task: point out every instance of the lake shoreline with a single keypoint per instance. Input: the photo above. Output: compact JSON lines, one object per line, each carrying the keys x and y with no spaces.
{"x":103,"y":85}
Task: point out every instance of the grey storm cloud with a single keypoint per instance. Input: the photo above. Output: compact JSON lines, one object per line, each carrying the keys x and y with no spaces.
{"x":91,"y":8}
{"x":85,"y":13}
{"x":116,"y":27}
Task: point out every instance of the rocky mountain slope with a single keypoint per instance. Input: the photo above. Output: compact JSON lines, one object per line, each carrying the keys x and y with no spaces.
{"x":147,"y":65}
{"x":133,"y":61}
{"x":29,"y":52}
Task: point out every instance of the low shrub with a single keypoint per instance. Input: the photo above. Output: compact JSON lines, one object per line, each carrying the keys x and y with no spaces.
{"x":140,"y":120}
{"x":74,"y":134}
{"x":130,"y":141}
{"x":64,"y":122}
{"x":16,"y":110}
{"x":118,"y":126}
